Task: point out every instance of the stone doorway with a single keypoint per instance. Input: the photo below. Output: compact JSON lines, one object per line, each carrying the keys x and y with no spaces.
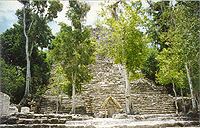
{"x":111,"y":105}
{"x":111,"y":108}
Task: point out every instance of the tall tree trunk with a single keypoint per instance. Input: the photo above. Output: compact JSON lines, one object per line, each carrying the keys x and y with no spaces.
{"x":176,"y":104}
{"x":73,"y":93}
{"x":191,"y":88}
{"x":28,"y":72}
{"x":127,"y":93}
{"x":183,"y":100}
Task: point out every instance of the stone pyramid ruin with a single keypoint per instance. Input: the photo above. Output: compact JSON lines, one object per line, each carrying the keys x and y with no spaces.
{"x":108,"y":81}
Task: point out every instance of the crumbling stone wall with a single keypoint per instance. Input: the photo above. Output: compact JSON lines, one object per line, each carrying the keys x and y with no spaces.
{"x":4,"y":104}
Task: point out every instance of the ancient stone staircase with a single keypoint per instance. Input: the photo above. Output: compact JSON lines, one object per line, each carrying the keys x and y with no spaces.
{"x":108,"y":80}
{"x":31,"y":120}
{"x":151,"y":99}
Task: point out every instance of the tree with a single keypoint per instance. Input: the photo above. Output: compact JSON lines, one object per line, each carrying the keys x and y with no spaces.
{"x":73,"y":49}
{"x":12,"y":52}
{"x":184,"y":35}
{"x":187,"y":26}
{"x":36,"y":30}
{"x":59,"y":84}
{"x":125,"y":42}
{"x":182,"y":38}
{"x":169,"y":71}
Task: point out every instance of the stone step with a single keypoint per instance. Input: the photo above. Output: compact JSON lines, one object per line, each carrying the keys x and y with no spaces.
{"x":110,"y":124}
{"x":146,"y":94}
{"x":155,"y":108}
{"x":147,"y":103}
{"x":152,"y":108}
{"x":156,"y":112}
{"x":42,"y":118}
{"x":154,"y":120}
{"x":147,"y":116}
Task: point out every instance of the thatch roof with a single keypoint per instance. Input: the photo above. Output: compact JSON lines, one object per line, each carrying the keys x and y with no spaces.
{"x":113,"y":100}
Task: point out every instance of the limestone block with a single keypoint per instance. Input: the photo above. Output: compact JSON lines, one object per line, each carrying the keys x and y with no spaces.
{"x":4,"y":104}
{"x":25,"y":110}
{"x":13,"y":109}
{"x":120,"y":116}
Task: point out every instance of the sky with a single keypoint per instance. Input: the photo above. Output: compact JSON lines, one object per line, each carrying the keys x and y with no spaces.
{"x":9,"y":7}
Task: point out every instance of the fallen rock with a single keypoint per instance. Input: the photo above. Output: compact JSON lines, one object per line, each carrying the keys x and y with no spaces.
{"x":25,"y":110}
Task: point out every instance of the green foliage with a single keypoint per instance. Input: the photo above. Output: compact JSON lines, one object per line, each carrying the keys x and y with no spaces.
{"x":158,"y":24}
{"x":59,"y":82}
{"x":35,"y":29}
{"x":38,"y":31}
{"x":176,"y":29}
{"x":169,"y":71}
{"x":125,"y":42}
{"x":13,"y":54}
{"x":40,"y":71}
{"x":54,"y":8}
{"x":12,"y":46}
{"x":12,"y":81}
{"x":77,"y":12}
{"x":150,"y":65}
{"x":73,"y":50}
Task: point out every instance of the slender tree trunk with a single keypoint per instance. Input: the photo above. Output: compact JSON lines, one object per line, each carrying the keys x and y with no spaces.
{"x":176,"y":104}
{"x":127,"y":93}
{"x":183,"y":100}
{"x":28,"y":74}
{"x":73,"y":93}
{"x":57,"y":104}
{"x":191,"y":88}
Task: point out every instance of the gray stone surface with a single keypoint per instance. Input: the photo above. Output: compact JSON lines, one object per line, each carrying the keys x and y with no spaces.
{"x":25,"y":109}
{"x":13,"y":109}
{"x":4,"y":104}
